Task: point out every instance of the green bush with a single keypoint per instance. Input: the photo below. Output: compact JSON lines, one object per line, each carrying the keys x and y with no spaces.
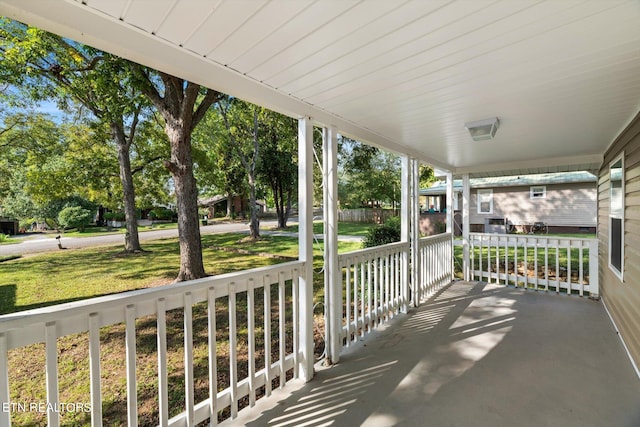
{"x":75,"y":217}
{"x":388,"y":232}
{"x":162,"y":214}
{"x":114,"y":216}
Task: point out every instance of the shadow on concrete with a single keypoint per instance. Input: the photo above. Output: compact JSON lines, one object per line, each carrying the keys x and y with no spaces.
{"x":475,"y":354}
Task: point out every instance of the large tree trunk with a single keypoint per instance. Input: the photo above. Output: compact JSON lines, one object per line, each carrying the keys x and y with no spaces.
{"x":254,"y":225}
{"x":181,"y":167}
{"x":131,"y":240}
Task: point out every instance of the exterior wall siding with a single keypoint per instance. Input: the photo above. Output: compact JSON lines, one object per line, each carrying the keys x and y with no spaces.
{"x":565,"y":205}
{"x":622,"y":297}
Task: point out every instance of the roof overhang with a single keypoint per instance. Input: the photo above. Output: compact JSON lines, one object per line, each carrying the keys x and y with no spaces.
{"x":562,"y":77}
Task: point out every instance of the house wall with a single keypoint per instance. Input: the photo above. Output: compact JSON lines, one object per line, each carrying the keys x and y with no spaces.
{"x":623,"y":297}
{"x":565,"y":205}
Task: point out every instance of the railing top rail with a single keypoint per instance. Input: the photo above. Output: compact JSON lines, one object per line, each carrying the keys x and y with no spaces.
{"x":532,"y":236}
{"x":109,"y":302}
{"x":376,"y":249}
{"x":441,"y":236}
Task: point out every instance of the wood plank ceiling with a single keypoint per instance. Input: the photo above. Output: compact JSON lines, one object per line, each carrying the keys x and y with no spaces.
{"x":563,"y":76}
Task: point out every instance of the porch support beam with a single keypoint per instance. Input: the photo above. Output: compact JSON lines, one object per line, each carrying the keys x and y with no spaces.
{"x":405,"y":231}
{"x":305,"y":247}
{"x":415,"y":232}
{"x":450,"y":215}
{"x":332,"y":277}
{"x":466,"y":199}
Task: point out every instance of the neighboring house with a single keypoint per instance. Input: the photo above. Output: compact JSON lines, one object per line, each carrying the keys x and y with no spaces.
{"x":565,"y":201}
{"x":217,"y":205}
{"x":8,"y":226}
{"x":619,"y":233}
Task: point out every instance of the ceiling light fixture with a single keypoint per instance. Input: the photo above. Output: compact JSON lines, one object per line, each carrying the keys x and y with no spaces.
{"x":483,"y":130}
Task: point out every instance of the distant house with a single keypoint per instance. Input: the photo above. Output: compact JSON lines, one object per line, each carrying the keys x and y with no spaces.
{"x":564,"y":201}
{"x":8,"y":226}
{"x":217,"y":205}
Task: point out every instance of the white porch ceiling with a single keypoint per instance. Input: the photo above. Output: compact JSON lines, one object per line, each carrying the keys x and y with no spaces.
{"x":563,"y":76}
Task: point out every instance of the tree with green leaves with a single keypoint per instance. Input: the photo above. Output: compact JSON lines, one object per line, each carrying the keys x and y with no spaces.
{"x":241,"y":120}
{"x":45,"y":66}
{"x":277,"y":165}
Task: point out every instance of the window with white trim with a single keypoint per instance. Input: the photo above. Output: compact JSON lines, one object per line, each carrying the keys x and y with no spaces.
{"x":616,"y":216}
{"x":538,"y":192}
{"x":485,"y":201}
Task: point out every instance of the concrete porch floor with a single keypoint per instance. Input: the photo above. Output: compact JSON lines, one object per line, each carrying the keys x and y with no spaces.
{"x":473,"y":355}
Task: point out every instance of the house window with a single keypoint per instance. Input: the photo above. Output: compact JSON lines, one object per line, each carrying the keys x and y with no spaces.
{"x":616,"y":216}
{"x":485,"y":201}
{"x":538,"y":192}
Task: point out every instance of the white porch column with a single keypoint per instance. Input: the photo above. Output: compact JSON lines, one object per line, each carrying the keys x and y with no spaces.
{"x":405,"y":232}
{"x":466,"y":199}
{"x":332,"y":276}
{"x":450,"y":218}
{"x":305,"y":247}
{"x":415,"y":232}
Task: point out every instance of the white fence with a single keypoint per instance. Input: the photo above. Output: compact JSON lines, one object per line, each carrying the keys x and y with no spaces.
{"x":270,"y":293}
{"x":559,"y":264}
{"x":367,"y":215}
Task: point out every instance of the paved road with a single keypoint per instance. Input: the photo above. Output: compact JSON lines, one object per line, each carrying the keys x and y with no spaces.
{"x":47,"y":242}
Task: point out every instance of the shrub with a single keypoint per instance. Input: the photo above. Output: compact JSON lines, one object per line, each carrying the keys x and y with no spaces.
{"x":75,"y":217}
{"x":114,"y":216}
{"x":388,"y":232}
{"x":162,"y":214}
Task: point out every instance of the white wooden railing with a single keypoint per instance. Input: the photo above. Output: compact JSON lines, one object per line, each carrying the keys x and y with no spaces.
{"x":375,"y":287}
{"x":372,"y":285}
{"x":48,"y":325}
{"x":436,"y":263}
{"x":559,"y":264}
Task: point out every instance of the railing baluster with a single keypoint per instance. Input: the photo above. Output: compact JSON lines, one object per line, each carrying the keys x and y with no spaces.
{"x":51,"y":345}
{"x":558,"y":266}
{"x":267,"y":335}
{"x":546,"y":265}
{"x":296,"y":320}
{"x":535,"y":264}
{"x":581,"y":269}
{"x":376,"y":287}
{"x":348,"y":302}
{"x":369,"y":296}
{"x":363,"y":314}
{"x":5,"y":416}
{"x":233,"y":351}
{"x":569,"y":274}
{"x":281,"y":324}
{"x":213,"y":358}
{"x":189,"y":399}
{"x":130,"y":338}
{"x":94,"y":370}
{"x":251,"y":332}
{"x":356,"y":284}
{"x":163,"y":381}
{"x":480,"y":258}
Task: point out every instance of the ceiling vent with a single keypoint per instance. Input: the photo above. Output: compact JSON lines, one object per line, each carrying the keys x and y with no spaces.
{"x":483,"y":130}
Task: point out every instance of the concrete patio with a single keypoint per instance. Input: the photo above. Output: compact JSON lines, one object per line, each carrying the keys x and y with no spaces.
{"x":473,"y":355}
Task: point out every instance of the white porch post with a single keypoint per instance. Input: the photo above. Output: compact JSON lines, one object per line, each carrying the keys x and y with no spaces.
{"x":332,"y":276}
{"x":466,"y":190}
{"x":450,"y":217}
{"x":305,"y":247}
{"x":405,"y":232}
{"x":415,"y":232}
